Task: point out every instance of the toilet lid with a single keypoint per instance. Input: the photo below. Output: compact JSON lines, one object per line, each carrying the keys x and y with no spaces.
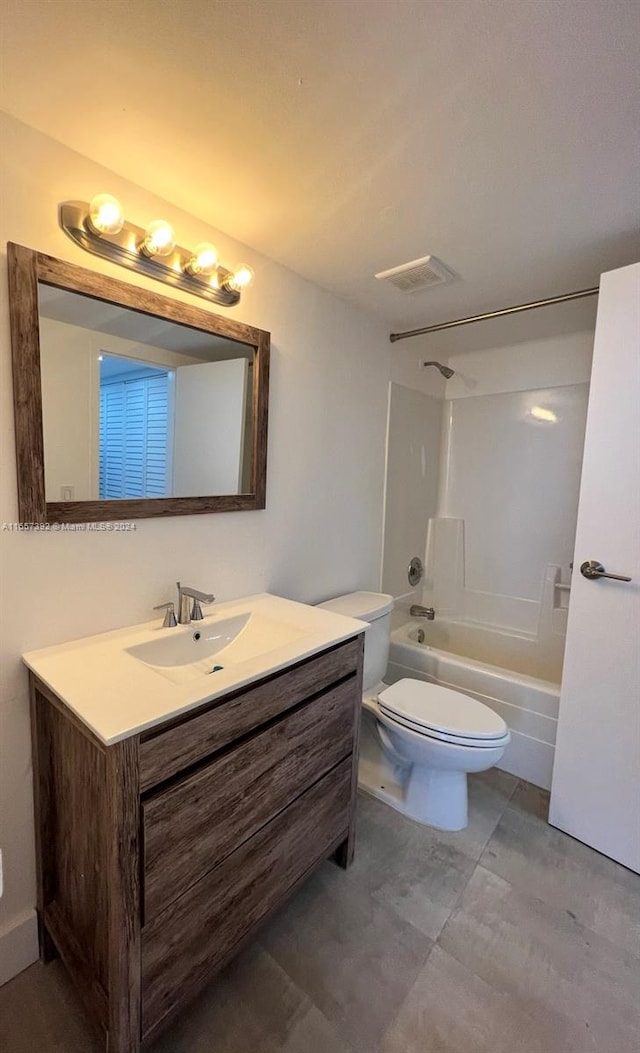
{"x":442,"y":710}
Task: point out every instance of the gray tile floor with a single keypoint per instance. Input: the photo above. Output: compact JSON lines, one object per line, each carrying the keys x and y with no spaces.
{"x":506,"y":938}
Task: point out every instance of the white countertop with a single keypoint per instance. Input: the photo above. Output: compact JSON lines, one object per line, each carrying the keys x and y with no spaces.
{"x":115,"y":695}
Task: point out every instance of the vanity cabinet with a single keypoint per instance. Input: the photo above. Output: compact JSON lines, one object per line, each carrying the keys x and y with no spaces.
{"x":160,"y":854}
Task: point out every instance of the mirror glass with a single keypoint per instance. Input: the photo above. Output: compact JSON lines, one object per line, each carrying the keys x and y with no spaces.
{"x":136,"y":406}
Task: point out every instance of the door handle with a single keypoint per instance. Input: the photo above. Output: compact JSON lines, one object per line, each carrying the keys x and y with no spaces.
{"x":592,"y":570}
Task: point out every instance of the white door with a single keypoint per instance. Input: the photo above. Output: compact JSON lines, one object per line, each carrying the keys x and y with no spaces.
{"x":595,"y":794}
{"x":209,"y":428}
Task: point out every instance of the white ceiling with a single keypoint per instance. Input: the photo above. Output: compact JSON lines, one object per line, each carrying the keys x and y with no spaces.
{"x":343,"y":137}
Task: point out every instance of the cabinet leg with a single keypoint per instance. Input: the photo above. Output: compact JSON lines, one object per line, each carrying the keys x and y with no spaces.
{"x":345,"y":851}
{"x":48,"y":949}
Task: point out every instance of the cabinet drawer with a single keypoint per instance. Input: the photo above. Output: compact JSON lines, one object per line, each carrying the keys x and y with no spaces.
{"x":168,"y":752}
{"x":198,"y":932}
{"x":192,"y":825}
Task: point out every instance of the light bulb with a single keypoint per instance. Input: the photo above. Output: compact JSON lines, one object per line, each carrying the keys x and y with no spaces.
{"x":241,"y":276}
{"x":204,"y":259}
{"x":105,"y":214}
{"x":159,"y":239}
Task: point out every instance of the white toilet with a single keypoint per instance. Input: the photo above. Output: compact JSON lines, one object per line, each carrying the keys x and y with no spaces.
{"x":418,"y":740}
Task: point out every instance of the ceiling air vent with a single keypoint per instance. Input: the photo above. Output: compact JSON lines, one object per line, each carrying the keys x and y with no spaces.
{"x":419,"y":274}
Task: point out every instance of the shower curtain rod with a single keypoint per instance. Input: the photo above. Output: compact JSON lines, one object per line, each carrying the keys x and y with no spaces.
{"x":495,"y":314}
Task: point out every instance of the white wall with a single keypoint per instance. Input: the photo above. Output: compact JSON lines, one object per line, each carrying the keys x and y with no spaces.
{"x":407,"y":368}
{"x":550,"y":362}
{"x":319,"y":535}
{"x":210,"y":403}
{"x":70,"y":410}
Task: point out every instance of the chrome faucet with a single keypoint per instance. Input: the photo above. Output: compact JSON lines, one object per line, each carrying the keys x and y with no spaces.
{"x":416,"y":611}
{"x":188,"y":612}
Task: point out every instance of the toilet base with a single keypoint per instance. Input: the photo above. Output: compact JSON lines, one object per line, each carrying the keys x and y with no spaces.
{"x":433,"y":794}
{"x":434,"y":798}
{"x":438,"y":798}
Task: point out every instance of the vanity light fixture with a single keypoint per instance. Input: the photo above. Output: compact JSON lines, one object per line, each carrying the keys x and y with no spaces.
{"x":100,"y":227}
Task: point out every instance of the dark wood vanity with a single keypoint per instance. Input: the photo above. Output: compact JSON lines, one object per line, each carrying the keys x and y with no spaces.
{"x":160,"y":855}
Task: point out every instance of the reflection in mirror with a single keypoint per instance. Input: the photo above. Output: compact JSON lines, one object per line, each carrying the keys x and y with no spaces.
{"x":136,"y":406}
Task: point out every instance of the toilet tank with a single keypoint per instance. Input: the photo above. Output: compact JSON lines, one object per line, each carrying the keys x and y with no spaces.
{"x":375,"y":608}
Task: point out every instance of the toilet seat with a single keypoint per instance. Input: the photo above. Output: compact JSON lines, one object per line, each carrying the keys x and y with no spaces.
{"x":441,"y":713}
{"x":454,"y":740}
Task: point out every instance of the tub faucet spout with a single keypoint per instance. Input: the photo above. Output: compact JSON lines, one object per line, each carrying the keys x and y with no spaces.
{"x":417,"y":611}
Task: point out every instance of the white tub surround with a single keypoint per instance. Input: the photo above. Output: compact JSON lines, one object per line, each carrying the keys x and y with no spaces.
{"x":124,"y":682}
{"x":527,"y":703}
{"x":507,"y":502}
{"x":415,"y":424}
{"x":450,"y":588}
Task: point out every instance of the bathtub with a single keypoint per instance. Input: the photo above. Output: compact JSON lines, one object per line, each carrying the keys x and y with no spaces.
{"x":506,"y":671}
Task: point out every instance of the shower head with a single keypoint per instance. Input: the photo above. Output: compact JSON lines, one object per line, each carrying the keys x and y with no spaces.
{"x":446,"y":372}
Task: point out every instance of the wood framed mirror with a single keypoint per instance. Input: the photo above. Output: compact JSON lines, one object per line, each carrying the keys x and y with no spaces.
{"x":129,"y":404}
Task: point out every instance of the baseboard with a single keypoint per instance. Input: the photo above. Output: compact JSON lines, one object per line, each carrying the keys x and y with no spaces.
{"x":18,"y":945}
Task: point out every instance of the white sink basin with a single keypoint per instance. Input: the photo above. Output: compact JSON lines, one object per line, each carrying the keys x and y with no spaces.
{"x":123,"y":682}
{"x":202,"y":648}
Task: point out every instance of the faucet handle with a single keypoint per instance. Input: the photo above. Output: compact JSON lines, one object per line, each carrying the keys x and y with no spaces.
{"x":169,"y":617}
{"x":196,"y":610}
